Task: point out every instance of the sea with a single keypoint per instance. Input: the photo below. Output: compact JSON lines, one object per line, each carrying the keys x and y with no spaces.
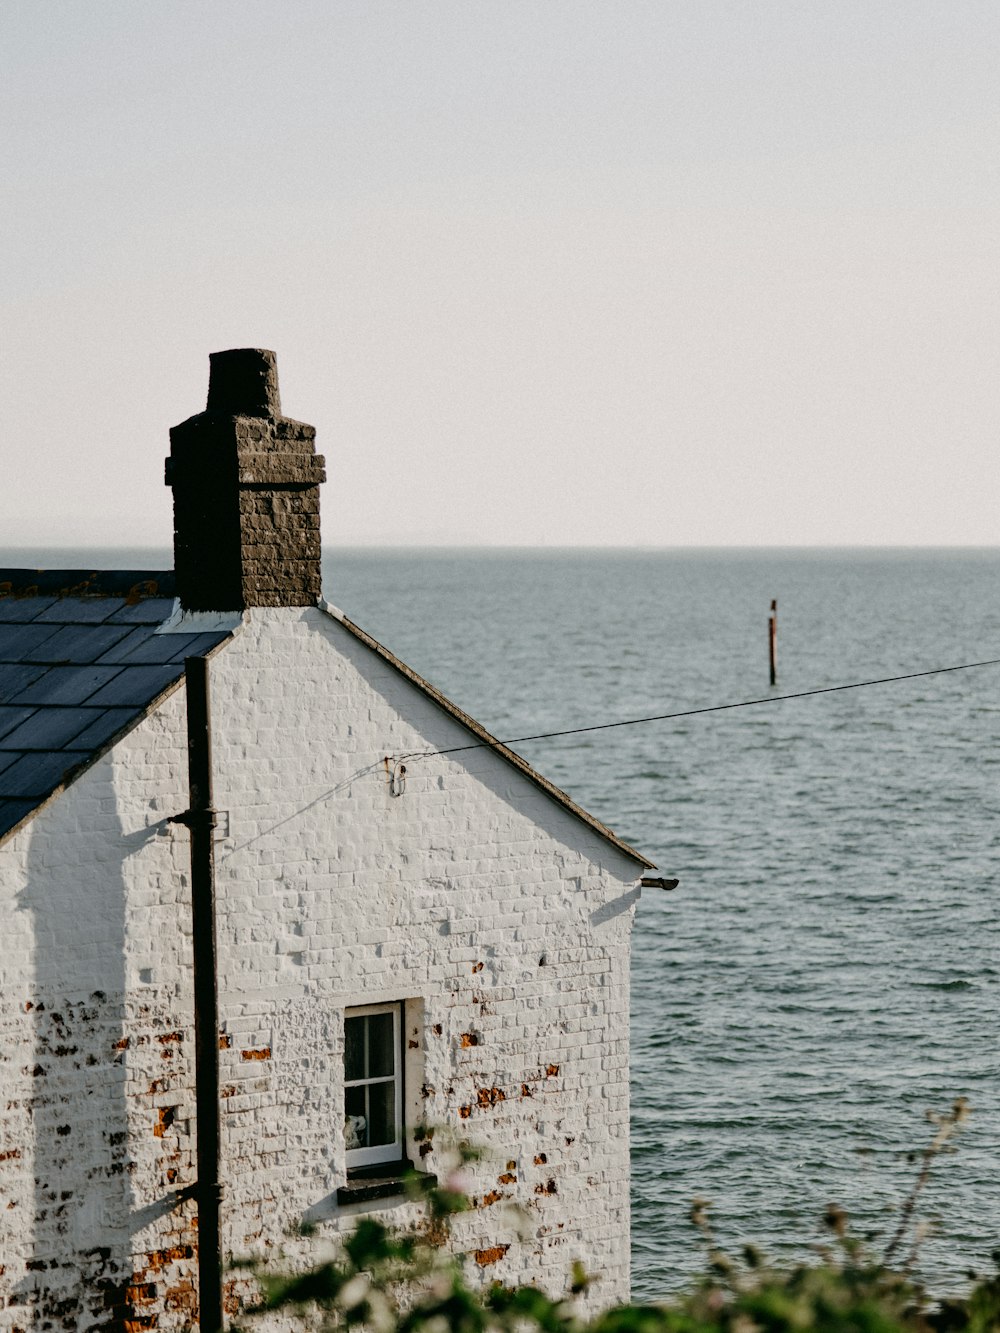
{"x":824,"y":978}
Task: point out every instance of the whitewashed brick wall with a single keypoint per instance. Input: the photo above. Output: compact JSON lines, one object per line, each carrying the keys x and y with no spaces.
{"x":498,"y":916}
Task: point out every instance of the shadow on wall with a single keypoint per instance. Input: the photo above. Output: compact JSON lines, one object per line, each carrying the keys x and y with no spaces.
{"x":88,"y":1081}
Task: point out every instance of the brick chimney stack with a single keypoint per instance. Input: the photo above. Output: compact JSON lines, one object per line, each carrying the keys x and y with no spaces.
{"x":246,"y":494}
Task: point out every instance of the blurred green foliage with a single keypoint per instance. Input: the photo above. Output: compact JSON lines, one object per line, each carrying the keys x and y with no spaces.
{"x":410,"y":1281}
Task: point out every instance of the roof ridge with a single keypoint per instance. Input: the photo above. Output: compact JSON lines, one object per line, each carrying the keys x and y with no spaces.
{"x":134,"y":585}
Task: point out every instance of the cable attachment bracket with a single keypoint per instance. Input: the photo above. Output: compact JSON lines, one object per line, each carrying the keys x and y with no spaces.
{"x":396,"y":774}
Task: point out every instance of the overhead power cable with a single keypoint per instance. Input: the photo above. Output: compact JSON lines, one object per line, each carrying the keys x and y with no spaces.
{"x":710,"y":708}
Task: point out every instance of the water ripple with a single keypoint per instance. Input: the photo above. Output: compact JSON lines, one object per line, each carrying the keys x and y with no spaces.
{"x":828,"y":969}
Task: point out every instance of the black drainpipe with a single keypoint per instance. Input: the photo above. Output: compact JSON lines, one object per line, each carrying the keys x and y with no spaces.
{"x":201,"y":820}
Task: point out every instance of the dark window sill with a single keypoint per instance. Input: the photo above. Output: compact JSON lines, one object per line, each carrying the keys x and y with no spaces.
{"x":386,"y":1181}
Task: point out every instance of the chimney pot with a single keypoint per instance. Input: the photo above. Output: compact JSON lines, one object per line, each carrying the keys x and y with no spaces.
{"x":243,"y":382}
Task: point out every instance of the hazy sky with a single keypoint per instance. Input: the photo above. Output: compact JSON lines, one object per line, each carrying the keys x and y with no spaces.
{"x":602,"y":272}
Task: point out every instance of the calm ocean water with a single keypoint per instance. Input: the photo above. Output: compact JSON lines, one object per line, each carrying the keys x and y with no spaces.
{"x":828,"y":969}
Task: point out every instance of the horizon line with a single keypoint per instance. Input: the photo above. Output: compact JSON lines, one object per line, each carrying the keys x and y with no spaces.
{"x":27,"y":547}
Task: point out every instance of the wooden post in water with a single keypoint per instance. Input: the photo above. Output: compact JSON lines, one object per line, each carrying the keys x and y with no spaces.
{"x":772,"y":641}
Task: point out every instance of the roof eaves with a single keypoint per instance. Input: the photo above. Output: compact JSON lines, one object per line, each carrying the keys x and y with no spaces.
{"x":487,"y":740}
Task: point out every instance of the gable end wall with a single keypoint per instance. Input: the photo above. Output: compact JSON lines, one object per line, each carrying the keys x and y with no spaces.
{"x":500,"y":919}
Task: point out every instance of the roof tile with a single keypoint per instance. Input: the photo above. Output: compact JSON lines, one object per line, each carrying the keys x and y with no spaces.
{"x":144,"y":648}
{"x":197,"y":647}
{"x":49,"y":729}
{"x":135,"y":637}
{"x":75,"y":643}
{"x":16,"y":677}
{"x":136,"y":685}
{"x":80,"y":610}
{"x":18,"y":640}
{"x":65,"y":684}
{"x":21,"y":609}
{"x":107,"y":723}
{"x":12,"y":716}
{"x":153,"y":611}
{"x":40,"y":773}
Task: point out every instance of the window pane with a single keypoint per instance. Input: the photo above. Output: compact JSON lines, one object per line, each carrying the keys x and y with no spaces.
{"x":354,"y":1057}
{"x":382,"y":1103}
{"x":355,"y":1119}
{"x":380,"y":1053}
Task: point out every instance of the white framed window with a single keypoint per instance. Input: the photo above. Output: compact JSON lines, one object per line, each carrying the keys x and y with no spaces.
{"x":373,"y":1085}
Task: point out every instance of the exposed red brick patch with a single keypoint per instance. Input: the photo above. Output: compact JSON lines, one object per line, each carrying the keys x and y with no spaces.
{"x":492,"y":1255}
{"x":181,"y":1297}
{"x":507,"y":1178}
{"x":465,"y":1112}
{"x":225,"y":1041}
{"x":487,"y":1097}
{"x":166,"y":1037}
{"x":172,"y":1174}
{"x":262,"y":1053}
{"x":491,"y":1198}
{"x":551,"y":1071}
{"x":164,"y":1119}
{"x":231,"y":1303}
{"x":228,"y":1091}
{"x":469,"y":1039}
{"x":120,"y":1045}
{"x":10,"y":1155}
{"x":477,"y":967}
{"x":157,"y":1259}
{"x":141,"y":1293}
{"x":548,"y":1188}
{"x":541,"y":1159}
{"x":526,"y":1091}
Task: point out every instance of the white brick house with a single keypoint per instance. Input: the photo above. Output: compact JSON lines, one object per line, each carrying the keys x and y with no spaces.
{"x":445,"y":947}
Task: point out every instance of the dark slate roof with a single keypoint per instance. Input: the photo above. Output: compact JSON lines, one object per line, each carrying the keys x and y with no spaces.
{"x":79,"y":665}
